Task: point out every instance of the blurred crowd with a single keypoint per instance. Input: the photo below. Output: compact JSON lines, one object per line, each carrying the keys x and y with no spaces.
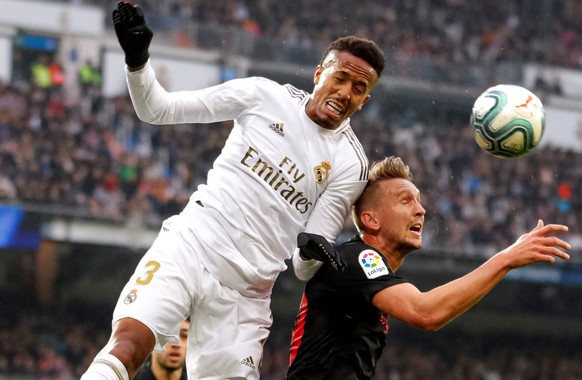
{"x":91,"y":157}
{"x":49,"y":347}
{"x":452,"y":41}
{"x":476,"y":204}
{"x":439,"y":32}
{"x":442,"y":31}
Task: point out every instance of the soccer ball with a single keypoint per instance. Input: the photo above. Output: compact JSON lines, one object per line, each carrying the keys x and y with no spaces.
{"x":508,"y":121}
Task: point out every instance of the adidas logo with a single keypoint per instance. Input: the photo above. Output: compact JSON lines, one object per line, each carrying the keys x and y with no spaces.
{"x":248,"y":362}
{"x":278,"y":127}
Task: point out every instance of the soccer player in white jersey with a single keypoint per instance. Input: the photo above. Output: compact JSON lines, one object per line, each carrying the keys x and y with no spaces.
{"x":291,"y":163}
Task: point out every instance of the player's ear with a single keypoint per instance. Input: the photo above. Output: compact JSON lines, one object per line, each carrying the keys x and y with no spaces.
{"x":317,"y":74}
{"x":368,"y":219}
{"x":366,"y":99}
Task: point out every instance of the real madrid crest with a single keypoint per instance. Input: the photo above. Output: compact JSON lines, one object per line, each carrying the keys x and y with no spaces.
{"x":131,"y":297}
{"x":322,"y":172}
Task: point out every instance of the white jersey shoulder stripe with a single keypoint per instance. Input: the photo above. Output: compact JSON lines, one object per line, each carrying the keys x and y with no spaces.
{"x":359,"y":150}
{"x":295,"y":92}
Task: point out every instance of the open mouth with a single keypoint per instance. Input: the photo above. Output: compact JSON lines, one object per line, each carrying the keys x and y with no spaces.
{"x":336,"y":108}
{"x":416,"y":228}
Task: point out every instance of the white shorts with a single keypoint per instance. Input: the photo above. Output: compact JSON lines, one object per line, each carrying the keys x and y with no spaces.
{"x":227,"y":330}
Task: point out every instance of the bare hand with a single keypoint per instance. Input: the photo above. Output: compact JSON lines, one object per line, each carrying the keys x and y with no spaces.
{"x":538,"y":245}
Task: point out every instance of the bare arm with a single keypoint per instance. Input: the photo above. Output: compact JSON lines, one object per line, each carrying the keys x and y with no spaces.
{"x":434,"y":309}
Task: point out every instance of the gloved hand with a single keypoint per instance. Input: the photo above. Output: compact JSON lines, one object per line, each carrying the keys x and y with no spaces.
{"x":132,"y":32}
{"x":316,"y":247}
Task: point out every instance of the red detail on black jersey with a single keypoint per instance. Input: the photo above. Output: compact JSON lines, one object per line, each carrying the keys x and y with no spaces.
{"x":298,"y":329}
{"x":384,"y":321}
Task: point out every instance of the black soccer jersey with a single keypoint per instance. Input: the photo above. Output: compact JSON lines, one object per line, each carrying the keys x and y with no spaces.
{"x":338,"y":333}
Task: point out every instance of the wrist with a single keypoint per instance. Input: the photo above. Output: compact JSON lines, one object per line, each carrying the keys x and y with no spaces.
{"x":137,"y":61}
{"x":502,"y":260}
{"x":132,"y":69}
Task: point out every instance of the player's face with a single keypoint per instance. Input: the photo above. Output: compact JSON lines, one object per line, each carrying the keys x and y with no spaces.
{"x":401,"y":215}
{"x":174,"y":355}
{"x":342,"y":86}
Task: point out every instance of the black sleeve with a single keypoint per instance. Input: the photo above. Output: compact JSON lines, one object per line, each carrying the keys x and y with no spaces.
{"x":366,"y":274}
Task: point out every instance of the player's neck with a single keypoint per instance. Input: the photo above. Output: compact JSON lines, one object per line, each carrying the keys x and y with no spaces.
{"x":392,"y":256}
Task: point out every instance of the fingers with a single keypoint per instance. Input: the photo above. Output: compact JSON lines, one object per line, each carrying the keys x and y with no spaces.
{"x":554,"y":244}
{"x":549,"y":228}
{"x":539,"y":245}
{"x":562,"y":255}
{"x":557,"y":242}
{"x":116,"y":17}
{"x":127,"y":15}
{"x":552,"y":248}
{"x":551,"y":254}
{"x":139,"y":13}
{"x":302,"y":239}
{"x":316,"y":247}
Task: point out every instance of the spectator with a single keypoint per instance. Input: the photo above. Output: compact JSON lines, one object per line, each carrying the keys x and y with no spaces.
{"x":170,"y":364}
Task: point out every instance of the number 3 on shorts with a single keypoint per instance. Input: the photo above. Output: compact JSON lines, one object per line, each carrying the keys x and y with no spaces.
{"x":152,"y":267}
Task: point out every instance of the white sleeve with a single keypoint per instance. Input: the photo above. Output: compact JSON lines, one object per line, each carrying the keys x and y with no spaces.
{"x":304,"y":269}
{"x":329,"y":216}
{"x":154,"y":105}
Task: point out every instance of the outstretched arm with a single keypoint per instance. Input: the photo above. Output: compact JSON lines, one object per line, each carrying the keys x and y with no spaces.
{"x":433,"y":309}
{"x":155,"y":105}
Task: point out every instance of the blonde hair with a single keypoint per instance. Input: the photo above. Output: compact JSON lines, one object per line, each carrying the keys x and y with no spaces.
{"x":388,"y":168}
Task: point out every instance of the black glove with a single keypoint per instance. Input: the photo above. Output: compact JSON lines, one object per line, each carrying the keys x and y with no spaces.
{"x":132,"y":32}
{"x":316,"y":247}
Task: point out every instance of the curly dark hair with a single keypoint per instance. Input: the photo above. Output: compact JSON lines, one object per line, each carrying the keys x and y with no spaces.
{"x":361,"y":48}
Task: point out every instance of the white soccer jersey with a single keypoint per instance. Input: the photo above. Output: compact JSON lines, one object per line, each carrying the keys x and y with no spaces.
{"x":278,"y":174}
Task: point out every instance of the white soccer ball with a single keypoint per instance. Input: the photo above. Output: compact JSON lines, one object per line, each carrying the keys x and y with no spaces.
{"x":508,"y":121}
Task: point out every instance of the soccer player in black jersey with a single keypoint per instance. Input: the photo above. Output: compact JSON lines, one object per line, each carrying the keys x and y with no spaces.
{"x":341,"y":327}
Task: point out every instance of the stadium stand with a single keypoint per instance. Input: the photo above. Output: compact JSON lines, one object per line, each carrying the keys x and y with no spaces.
{"x":92,"y":159}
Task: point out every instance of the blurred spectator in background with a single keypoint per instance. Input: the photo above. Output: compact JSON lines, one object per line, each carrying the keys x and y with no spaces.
{"x":170,"y":364}
{"x":40,"y":72}
{"x":89,"y":76}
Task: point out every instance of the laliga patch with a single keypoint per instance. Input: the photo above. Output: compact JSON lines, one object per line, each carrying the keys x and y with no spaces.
{"x":372,"y":264}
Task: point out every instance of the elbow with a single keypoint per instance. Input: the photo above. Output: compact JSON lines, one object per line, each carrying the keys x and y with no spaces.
{"x":432,"y":327}
{"x":154,"y":112}
{"x":429,"y":323}
{"x":418,"y":310}
{"x":147,"y":117}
